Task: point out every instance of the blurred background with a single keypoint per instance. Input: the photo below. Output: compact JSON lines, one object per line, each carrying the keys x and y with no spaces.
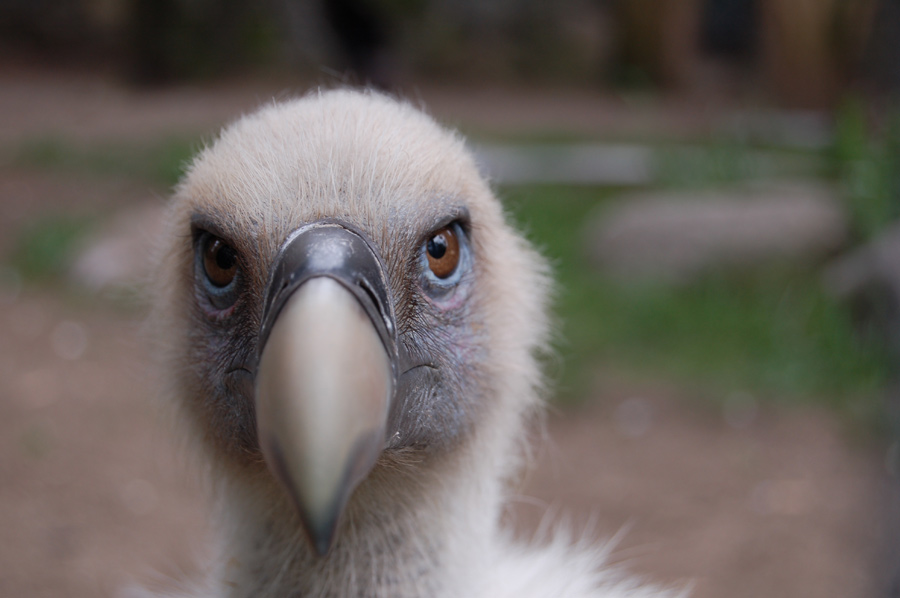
{"x":717,"y":183}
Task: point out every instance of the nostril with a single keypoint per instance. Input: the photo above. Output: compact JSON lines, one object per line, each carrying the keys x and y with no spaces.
{"x":363,"y":284}
{"x":373,"y":297}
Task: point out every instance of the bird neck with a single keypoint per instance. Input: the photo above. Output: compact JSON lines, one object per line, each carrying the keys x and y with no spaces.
{"x":417,"y":526}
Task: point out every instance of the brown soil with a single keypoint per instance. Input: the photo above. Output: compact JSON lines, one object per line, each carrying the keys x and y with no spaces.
{"x":95,"y":494}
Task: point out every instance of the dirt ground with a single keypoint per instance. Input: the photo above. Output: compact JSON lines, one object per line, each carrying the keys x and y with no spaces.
{"x":96,"y":495}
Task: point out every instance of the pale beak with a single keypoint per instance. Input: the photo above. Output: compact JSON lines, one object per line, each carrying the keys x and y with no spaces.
{"x":324,"y":386}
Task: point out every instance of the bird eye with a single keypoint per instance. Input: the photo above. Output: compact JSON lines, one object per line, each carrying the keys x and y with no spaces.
{"x":217,"y":272}
{"x":442,"y":251}
{"x":219,"y":261}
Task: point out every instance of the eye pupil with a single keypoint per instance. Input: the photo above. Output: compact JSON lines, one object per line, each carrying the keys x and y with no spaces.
{"x":225,"y":257}
{"x":437,"y":246}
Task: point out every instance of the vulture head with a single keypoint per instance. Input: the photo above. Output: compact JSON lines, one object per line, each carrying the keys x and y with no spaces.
{"x":351,"y":328}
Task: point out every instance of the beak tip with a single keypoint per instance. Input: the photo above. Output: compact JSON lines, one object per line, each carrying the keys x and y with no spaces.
{"x":323,"y":543}
{"x":319,"y":530}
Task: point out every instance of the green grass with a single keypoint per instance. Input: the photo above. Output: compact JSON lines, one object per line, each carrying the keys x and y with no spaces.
{"x":724,"y":162}
{"x":160,"y":163}
{"x":775,"y":333}
{"x":45,"y":247}
{"x":867,"y":164}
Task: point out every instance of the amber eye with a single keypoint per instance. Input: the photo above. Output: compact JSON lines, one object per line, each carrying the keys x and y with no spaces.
{"x":219,"y":262}
{"x":442,"y":250}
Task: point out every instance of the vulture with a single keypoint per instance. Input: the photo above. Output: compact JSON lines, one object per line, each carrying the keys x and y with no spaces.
{"x":352,"y":335}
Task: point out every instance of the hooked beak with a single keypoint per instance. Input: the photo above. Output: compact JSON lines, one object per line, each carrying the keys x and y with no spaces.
{"x":326,"y":373}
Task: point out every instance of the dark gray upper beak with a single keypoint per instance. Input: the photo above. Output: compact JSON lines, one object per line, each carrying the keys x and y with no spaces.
{"x":331,"y":249}
{"x":327,"y":372}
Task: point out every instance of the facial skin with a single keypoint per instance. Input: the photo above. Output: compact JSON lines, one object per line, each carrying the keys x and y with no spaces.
{"x":436,"y":325}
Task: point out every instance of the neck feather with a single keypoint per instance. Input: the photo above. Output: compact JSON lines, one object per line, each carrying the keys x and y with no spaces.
{"x":416,"y":527}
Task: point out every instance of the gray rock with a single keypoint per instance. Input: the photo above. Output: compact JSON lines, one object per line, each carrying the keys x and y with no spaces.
{"x":875,"y":264}
{"x":868,"y":278}
{"x":585,"y":164}
{"x":676,"y":237}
